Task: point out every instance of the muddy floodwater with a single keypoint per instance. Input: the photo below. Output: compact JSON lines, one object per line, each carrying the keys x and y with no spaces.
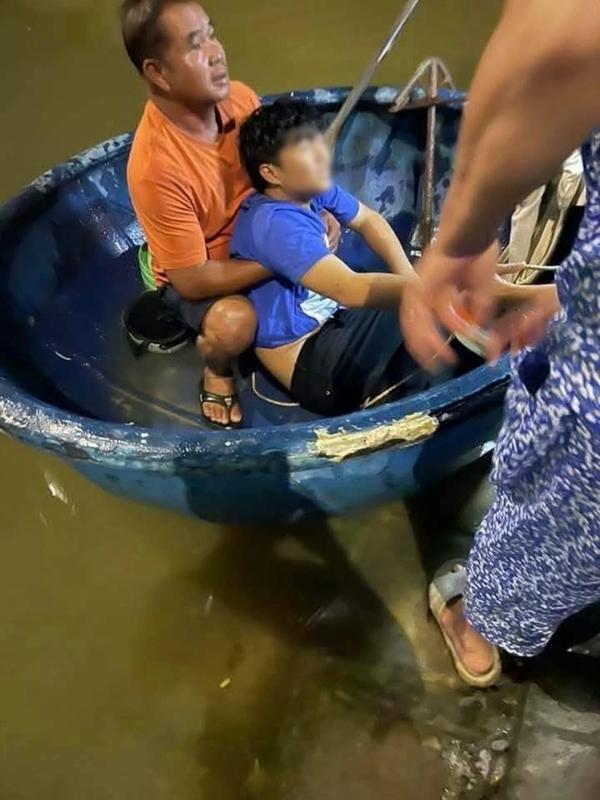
{"x":145,"y":655}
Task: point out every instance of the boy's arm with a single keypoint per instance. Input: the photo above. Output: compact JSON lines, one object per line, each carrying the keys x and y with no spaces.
{"x":379,"y":235}
{"x":332,"y":278}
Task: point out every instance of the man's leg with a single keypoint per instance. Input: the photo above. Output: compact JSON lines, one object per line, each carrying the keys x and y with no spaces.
{"x":227,"y":330}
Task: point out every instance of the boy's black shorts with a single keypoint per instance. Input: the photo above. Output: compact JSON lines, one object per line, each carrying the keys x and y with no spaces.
{"x":356,"y":356}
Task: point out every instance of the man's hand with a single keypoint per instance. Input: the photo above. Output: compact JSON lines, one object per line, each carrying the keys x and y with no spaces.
{"x":333,"y":230}
{"x":541,"y":50}
{"x":448,"y":287}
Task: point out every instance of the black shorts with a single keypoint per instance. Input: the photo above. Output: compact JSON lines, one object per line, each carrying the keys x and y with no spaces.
{"x":191,"y":312}
{"x":358,"y":355}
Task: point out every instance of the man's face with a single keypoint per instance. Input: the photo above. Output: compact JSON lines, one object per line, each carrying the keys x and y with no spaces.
{"x":304,"y":167}
{"x":193,"y":65}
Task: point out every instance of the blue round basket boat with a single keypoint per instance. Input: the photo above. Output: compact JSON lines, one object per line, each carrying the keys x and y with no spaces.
{"x":71,"y":385}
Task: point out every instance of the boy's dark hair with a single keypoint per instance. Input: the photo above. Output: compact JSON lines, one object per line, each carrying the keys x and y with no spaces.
{"x":140,"y":25}
{"x":270,"y":128}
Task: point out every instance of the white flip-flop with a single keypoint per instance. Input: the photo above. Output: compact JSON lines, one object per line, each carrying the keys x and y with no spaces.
{"x":449,"y":584}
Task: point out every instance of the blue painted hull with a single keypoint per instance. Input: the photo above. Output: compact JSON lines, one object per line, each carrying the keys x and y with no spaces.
{"x":69,"y":385}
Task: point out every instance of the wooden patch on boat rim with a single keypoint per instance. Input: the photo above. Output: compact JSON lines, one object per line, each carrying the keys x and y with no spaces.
{"x":338,"y":446}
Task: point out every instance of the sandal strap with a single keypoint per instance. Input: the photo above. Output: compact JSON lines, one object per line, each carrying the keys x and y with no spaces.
{"x":451,"y":580}
{"x":225,"y":400}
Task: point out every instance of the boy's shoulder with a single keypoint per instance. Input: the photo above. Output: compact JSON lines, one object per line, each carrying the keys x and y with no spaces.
{"x":275,"y":233}
{"x":271,"y":216}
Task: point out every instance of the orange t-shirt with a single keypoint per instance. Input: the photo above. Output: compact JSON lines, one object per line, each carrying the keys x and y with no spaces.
{"x":187,"y":193}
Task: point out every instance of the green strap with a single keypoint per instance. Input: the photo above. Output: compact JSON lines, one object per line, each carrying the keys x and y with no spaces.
{"x":145,"y":265}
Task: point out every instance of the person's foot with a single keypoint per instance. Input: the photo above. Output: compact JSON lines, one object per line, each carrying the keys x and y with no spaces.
{"x":475,"y":653}
{"x":216,"y":412}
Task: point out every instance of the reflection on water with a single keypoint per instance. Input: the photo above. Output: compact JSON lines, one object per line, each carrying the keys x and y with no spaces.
{"x":145,"y":655}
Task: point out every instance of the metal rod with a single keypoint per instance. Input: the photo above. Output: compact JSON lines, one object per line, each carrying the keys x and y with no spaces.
{"x":429,"y":172}
{"x":403,"y":101}
{"x":439,"y":102}
{"x":363,"y":83}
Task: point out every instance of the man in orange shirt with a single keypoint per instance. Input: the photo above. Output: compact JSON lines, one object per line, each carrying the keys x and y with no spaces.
{"x":187,"y":183}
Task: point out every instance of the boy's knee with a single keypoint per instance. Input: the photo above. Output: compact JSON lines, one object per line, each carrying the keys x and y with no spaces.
{"x":230,"y":324}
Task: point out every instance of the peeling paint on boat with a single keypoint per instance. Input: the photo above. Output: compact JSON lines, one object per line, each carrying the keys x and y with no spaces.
{"x":342,"y":445}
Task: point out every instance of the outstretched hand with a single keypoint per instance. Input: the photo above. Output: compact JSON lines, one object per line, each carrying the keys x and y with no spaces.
{"x":448,"y":287}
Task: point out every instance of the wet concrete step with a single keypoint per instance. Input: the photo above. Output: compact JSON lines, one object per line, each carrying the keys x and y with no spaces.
{"x":558,"y":749}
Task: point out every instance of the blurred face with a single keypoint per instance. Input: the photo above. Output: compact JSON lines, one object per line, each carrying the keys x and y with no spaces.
{"x":303,"y":167}
{"x":192,"y":68}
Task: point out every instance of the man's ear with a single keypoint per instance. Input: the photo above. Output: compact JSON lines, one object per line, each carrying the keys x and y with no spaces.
{"x":152,"y":70}
{"x":270,"y":174}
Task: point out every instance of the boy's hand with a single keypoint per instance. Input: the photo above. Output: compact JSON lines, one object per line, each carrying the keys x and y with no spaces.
{"x":333,"y":230}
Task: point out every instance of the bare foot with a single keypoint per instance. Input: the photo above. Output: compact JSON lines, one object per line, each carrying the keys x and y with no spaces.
{"x":215,"y":412}
{"x":472,"y":649}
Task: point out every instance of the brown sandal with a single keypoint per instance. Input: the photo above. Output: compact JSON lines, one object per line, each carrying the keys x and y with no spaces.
{"x":449,"y":584}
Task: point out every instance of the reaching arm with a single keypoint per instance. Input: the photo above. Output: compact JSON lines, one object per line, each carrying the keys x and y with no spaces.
{"x":216,"y":278}
{"x":332,"y":278}
{"x":534,"y":99}
{"x":378,"y":233}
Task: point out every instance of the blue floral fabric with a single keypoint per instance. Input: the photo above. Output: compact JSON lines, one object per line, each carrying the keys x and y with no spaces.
{"x":536,"y":557}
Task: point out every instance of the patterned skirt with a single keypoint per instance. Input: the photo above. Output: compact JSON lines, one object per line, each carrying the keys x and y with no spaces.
{"x":536,"y":557}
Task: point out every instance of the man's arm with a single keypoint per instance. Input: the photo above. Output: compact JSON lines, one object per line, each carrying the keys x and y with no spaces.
{"x":534,"y":99}
{"x":216,"y":278}
{"x":380,"y":236}
{"x":167,"y":214}
{"x":332,"y":278}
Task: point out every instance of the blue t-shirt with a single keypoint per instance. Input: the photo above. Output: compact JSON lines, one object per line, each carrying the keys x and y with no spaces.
{"x":288,"y":240}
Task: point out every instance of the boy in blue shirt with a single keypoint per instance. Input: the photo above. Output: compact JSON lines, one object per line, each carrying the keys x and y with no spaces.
{"x":328,"y":334}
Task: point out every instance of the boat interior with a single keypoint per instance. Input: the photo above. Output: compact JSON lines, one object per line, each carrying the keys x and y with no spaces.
{"x":69,"y":268}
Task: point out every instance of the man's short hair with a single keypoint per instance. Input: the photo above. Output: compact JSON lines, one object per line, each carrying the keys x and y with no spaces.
{"x":140,"y":25}
{"x":269,"y":129}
